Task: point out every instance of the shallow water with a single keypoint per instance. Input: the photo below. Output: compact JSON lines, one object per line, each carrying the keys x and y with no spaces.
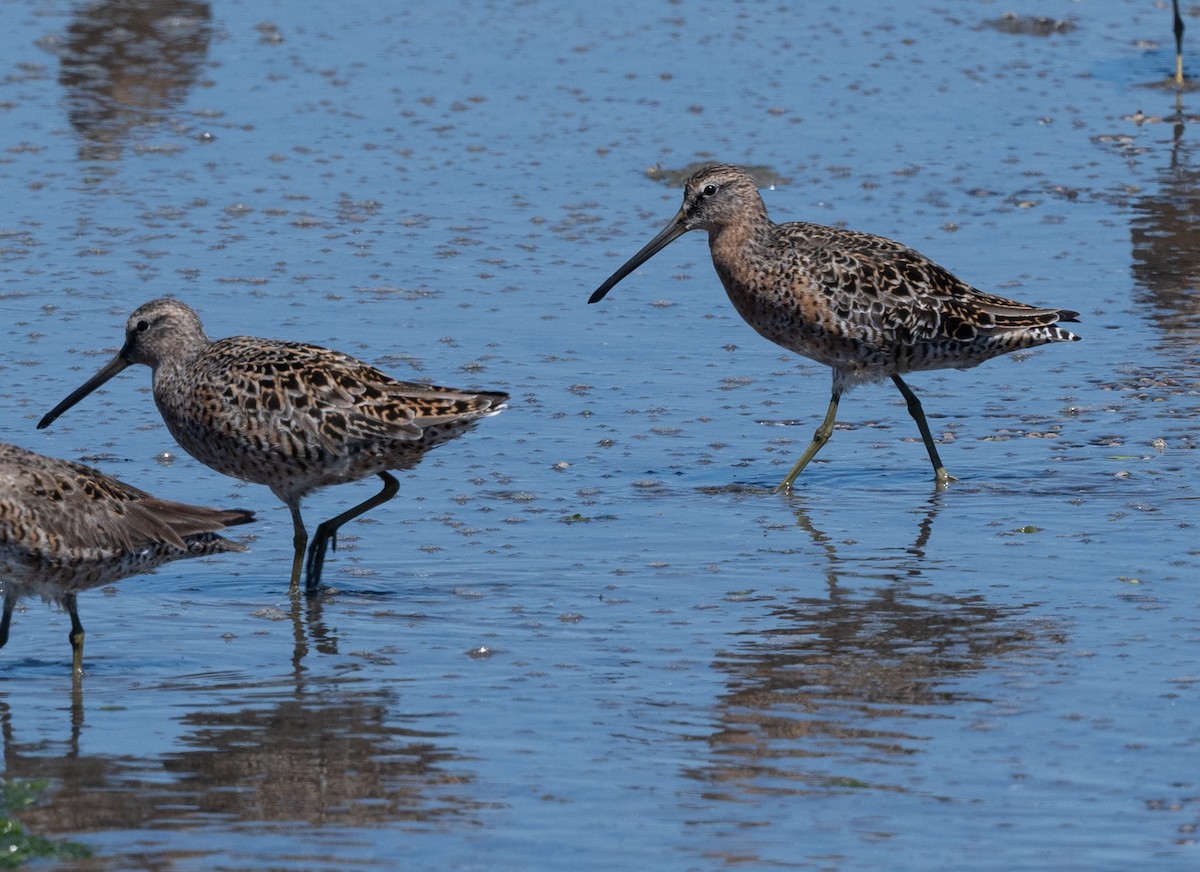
{"x":587,"y":634}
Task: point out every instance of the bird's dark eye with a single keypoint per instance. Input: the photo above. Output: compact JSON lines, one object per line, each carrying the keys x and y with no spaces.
{"x":143,"y":326}
{"x":708,"y":190}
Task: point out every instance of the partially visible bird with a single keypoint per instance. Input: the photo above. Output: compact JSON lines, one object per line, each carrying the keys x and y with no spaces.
{"x":1178,"y":30}
{"x":66,"y":528}
{"x":291,"y":416}
{"x":864,"y":305}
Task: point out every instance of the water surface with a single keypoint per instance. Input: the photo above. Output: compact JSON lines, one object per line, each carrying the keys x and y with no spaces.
{"x":586,"y":634}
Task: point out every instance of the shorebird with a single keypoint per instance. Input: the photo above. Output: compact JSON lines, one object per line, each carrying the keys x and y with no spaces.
{"x":291,"y":416}
{"x":866,"y":306}
{"x":66,"y":528}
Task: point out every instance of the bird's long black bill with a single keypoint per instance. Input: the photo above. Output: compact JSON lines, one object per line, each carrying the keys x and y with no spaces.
{"x":110,"y":369}
{"x":668,"y":235}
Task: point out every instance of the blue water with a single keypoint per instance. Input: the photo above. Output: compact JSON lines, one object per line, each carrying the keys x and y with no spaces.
{"x":585,"y":634}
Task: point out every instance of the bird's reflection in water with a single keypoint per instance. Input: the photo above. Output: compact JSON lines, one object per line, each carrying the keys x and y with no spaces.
{"x":271,"y":754}
{"x":832,"y":693}
{"x":297,"y":748}
{"x":312,"y":619}
{"x":127,"y":64}
{"x":337,"y":758}
{"x":310,"y":630}
{"x":1164,"y":231}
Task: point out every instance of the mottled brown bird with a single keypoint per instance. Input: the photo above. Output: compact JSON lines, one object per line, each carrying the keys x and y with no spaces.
{"x":864,"y":305}
{"x":291,"y":416}
{"x":66,"y":528}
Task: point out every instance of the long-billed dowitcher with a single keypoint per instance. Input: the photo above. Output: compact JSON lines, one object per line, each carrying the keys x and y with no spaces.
{"x":291,"y":416}
{"x":864,"y":305}
{"x":66,"y":528}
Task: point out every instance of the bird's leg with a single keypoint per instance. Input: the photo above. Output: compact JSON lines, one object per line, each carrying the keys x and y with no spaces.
{"x":299,"y":542}
{"x":818,"y":441}
{"x":10,"y":600}
{"x":327,"y":531}
{"x":940,"y":475}
{"x":76,"y":634}
{"x":1178,"y":44}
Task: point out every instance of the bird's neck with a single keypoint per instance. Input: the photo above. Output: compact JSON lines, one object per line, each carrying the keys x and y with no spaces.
{"x":182,"y":356}
{"x":738,"y":247}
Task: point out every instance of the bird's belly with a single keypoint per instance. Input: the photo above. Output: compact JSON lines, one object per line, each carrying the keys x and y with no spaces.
{"x":812,"y":335}
{"x":50,"y":573}
{"x":277,"y":458}
{"x":286,"y":461}
{"x":859,"y":351}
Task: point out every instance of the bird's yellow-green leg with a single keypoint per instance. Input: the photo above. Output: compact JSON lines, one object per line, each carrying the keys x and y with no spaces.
{"x":1178,"y":44}
{"x":818,"y":441}
{"x":941,"y":477}
{"x":76,"y":634}
{"x":299,"y":543}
